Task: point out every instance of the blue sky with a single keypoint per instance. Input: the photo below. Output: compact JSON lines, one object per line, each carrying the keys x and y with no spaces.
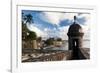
{"x":55,"y":24}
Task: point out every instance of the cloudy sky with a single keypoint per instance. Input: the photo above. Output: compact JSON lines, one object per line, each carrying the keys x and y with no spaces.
{"x":56,"y":24}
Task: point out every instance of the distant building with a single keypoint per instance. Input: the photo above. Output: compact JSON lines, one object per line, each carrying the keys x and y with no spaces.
{"x":58,"y":43}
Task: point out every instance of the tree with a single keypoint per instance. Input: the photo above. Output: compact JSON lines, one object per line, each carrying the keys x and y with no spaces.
{"x":39,"y":39}
{"x":49,"y":41}
{"x":28,"y":18}
{"x":28,"y":36}
{"x":31,"y":38}
{"x":59,"y":39}
{"x":32,"y":35}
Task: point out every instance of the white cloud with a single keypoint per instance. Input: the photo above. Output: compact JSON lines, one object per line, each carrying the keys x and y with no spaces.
{"x":53,"y":17}
{"x":87,"y":18}
{"x":63,"y":32}
{"x":35,"y":29}
{"x":86,"y":30}
{"x":56,"y":17}
{"x":86,"y":26}
{"x":51,"y":32}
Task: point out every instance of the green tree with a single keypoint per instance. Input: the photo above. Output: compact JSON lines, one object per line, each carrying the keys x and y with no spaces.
{"x":28,"y":18}
{"x":49,"y":41}
{"x":59,"y":39}
{"x":39,"y":39}
{"x":32,"y":35}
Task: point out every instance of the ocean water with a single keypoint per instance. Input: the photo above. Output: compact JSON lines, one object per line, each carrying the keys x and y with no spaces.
{"x":86,"y":44}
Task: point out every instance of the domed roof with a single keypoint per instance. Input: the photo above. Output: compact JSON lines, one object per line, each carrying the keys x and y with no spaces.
{"x":75,"y":30}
